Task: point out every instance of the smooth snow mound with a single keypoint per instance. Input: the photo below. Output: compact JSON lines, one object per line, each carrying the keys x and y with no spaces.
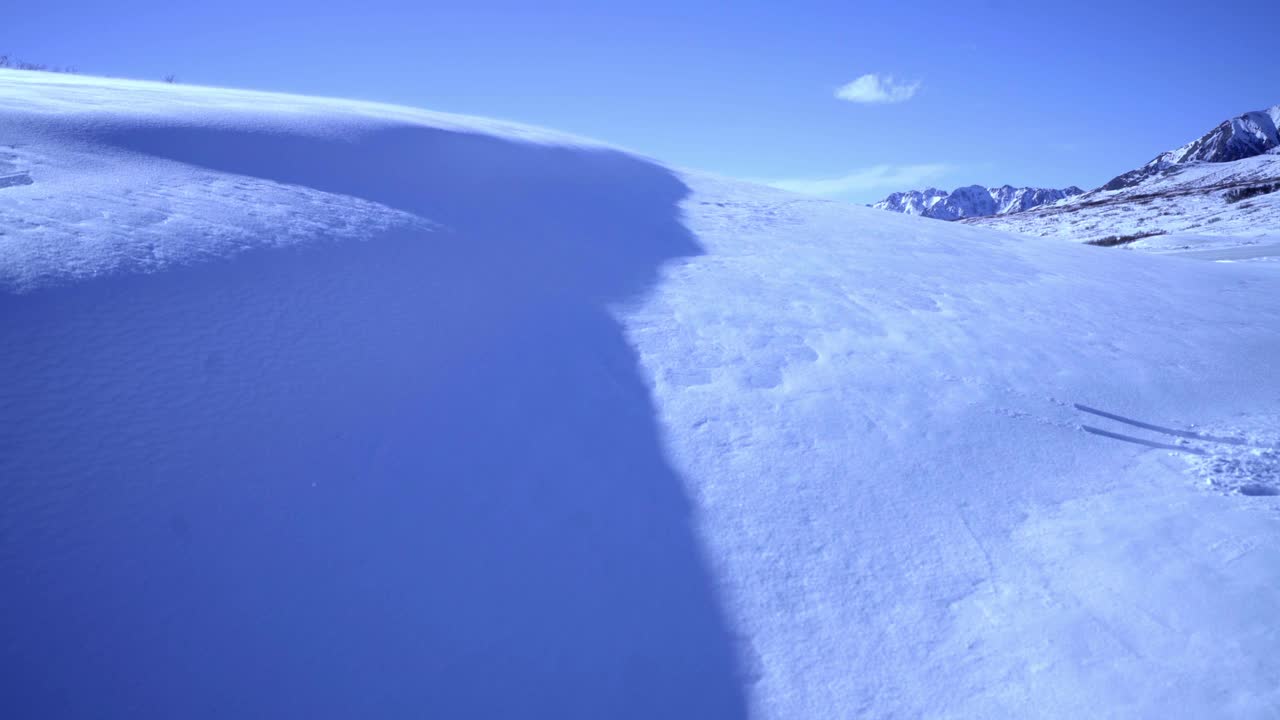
{"x":326,"y":409}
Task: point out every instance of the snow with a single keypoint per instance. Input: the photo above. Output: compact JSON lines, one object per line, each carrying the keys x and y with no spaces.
{"x":972,"y":201}
{"x":1190,"y":199}
{"x":1211,"y":247}
{"x":1244,"y":136}
{"x":912,"y":202}
{"x":1193,"y":188}
{"x":327,"y":409}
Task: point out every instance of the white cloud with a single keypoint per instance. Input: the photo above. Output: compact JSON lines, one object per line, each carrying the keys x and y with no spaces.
{"x":878,"y":177}
{"x":872,"y":88}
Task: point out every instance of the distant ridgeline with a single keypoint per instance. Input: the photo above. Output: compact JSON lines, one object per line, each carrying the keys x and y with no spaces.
{"x":1223,"y":183}
{"x":1246,"y":136}
{"x":973,"y":201}
{"x":12,"y":64}
{"x":9,"y":63}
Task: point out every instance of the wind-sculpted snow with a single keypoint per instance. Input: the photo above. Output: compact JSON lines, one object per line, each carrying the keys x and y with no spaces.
{"x":321,"y":409}
{"x":357,"y":437}
{"x":881,"y":414}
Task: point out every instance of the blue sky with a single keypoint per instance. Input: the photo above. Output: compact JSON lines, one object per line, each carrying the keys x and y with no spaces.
{"x":987,"y":91}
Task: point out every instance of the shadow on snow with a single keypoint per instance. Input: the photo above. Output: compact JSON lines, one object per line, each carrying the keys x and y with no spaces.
{"x":417,"y":476}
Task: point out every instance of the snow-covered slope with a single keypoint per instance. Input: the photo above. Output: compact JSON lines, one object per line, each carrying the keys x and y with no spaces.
{"x":1238,"y":200}
{"x":1222,"y":185}
{"x":325,"y":409}
{"x":972,"y":201}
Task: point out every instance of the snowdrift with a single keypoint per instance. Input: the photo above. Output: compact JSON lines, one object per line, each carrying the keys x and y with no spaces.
{"x":331,"y":409}
{"x":413,"y":475}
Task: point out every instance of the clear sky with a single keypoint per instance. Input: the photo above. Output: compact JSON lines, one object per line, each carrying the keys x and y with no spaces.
{"x":985,"y":91}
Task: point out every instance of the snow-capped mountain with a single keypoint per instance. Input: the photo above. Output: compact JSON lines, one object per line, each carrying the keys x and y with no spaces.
{"x":1253,"y":133}
{"x":1225,"y":184}
{"x":1220,"y":184}
{"x":911,"y":202}
{"x":1009,"y":199}
{"x":972,"y":201}
{"x":329,"y":409}
{"x":1238,"y":199}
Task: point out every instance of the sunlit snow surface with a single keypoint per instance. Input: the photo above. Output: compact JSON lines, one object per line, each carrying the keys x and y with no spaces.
{"x":338,"y":410}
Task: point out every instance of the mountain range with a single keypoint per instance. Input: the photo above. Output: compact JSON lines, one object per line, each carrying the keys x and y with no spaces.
{"x":973,"y":201}
{"x":1218,"y":190}
{"x":1221,"y":185}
